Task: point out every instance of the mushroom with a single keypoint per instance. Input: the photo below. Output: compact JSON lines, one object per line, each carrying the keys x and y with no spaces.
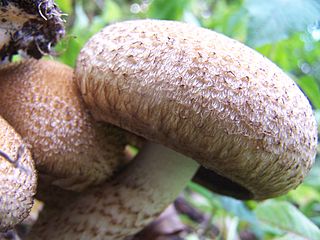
{"x":42,"y":102}
{"x":17,"y":178}
{"x":189,"y":90}
{"x":30,"y":26}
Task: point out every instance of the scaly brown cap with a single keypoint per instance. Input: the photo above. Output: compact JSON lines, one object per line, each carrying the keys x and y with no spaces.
{"x":17,"y":178}
{"x":42,"y":102}
{"x":204,"y":95}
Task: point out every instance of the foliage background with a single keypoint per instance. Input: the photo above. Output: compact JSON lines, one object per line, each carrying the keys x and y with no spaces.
{"x":287,"y":32}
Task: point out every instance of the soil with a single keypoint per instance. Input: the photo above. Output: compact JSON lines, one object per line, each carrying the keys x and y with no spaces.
{"x":31,"y":26}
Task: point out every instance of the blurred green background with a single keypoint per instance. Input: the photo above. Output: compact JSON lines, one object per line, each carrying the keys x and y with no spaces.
{"x":287,"y":32}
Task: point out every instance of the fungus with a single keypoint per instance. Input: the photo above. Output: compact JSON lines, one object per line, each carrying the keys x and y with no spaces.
{"x":42,"y":102}
{"x":17,"y":178}
{"x":194,"y":94}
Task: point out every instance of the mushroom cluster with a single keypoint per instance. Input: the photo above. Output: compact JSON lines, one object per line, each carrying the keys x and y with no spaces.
{"x":199,"y":99}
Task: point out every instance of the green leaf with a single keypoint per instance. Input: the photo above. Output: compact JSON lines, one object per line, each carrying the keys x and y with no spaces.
{"x":304,"y":194}
{"x":311,"y":89}
{"x":238,"y":208}
{"x":65,"y":5}
{"x":289,"y":237}
{"x":287,"y":218}
{"x":201,"y":190}
{"x":274,"y":20}
{"x":313,"y":178}
{"x":112,"y":11}
{"x":71,"y":46}
{"x":227,"y":17}
{"x":211,"y":201}
{"x":170,"y":10}
{"x":316,"y":220}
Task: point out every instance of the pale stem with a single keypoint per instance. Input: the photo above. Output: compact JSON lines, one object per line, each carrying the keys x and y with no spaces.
{"x":125,"y":205}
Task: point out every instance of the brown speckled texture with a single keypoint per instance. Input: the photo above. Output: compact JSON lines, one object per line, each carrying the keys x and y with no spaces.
{"x":123,"y":206}
{"x":42,"y":102}
{"x":17,"y":181}
{"x":204,"y":95}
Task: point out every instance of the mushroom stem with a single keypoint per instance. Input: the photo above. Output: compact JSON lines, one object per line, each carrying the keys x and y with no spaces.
{"x":125,"y":205}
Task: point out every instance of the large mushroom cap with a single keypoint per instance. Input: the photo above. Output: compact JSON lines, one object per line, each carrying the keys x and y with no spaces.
{"x":17,"y":178}
{"x":42,"y":102}
{"x":204,"y":95}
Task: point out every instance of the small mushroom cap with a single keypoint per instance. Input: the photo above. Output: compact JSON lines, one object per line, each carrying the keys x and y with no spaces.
{"x":204,"y":95}
{"x":17,"y":178}
{"x":42,"y":102}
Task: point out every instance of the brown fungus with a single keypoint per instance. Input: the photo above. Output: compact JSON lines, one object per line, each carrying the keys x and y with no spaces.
{"x":199,"y":93}
{"x":204,"y":95}
{"x":17,"y":178}
{"x":42,"y":102}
